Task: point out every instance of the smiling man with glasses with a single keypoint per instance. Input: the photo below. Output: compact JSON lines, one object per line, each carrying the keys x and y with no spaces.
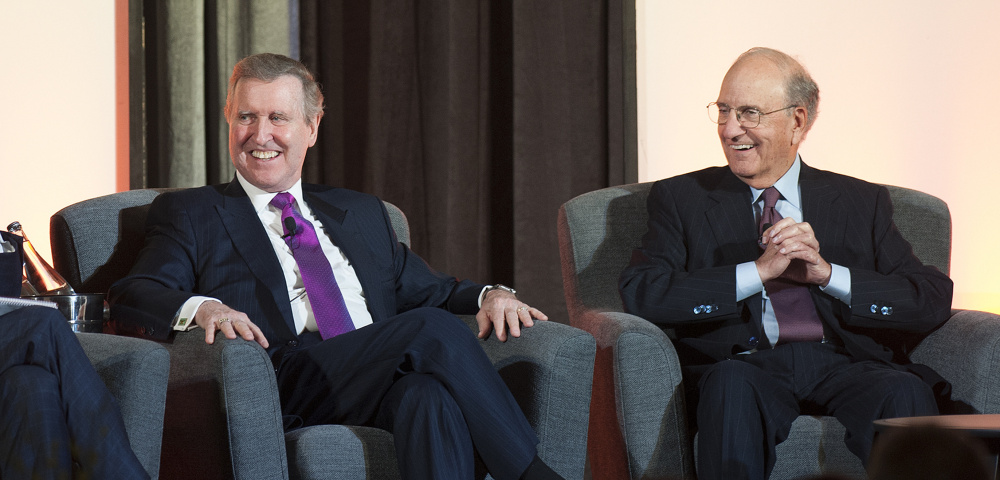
{"x":766,"y":327}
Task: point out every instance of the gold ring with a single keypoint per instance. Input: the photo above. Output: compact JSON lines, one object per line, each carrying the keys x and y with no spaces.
{"x":521,"y":309}
{"x":223,"y":320}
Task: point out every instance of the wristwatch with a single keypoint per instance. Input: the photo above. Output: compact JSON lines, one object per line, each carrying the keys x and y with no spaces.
{"x":499,"y":287}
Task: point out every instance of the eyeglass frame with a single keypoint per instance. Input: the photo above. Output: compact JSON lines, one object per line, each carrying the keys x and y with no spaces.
{"x":738,"y":114}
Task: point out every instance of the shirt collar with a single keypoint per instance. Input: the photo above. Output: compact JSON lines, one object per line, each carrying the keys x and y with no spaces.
{"x":262,"y":200}
{"x":787,"y":185}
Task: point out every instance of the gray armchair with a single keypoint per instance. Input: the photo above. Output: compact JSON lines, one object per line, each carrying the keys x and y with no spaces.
{"x":638,"y":427}
{"x":135,"y":372}
{"x":223,"y":416}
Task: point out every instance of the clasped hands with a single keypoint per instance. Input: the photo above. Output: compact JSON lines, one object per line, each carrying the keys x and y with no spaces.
{"x":791,"y":251}
{"x":501,"y":312}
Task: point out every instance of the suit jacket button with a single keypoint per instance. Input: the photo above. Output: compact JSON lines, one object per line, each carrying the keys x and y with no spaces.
{"x":874,"y":308}
{"x":293,"y":343}
{"x":753,"y":342}
{"x":699,"y":309}
{"x":708,"y":308}
{"x":886,"y":310}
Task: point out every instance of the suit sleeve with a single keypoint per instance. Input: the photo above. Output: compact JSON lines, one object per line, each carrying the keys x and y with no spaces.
{"x":900,"y":292}
{"x":162,"y":279}
{"x":667,"y":282}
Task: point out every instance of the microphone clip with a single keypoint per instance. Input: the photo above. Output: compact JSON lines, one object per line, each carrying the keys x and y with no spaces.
{"x":290,"y":227}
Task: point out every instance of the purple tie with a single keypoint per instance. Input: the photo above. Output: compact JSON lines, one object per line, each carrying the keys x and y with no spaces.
{"x":792,"y":303}
{"x":324,"y":294}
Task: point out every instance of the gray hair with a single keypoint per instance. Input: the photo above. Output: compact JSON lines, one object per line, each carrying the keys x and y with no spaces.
{"x":268,"y":67}
{"x":800,"y":88}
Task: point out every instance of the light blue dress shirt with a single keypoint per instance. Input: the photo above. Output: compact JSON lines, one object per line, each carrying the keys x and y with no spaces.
{"x":748,"y":280}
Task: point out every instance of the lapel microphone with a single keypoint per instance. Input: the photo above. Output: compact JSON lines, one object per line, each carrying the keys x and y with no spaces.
{"x":291,"y":227}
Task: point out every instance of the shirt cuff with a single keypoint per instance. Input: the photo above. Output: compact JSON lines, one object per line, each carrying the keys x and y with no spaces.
{"x":184,"y":320}
{"x":839,"y":286}
{"x":747,"y":280}
{"x":482,"y":295}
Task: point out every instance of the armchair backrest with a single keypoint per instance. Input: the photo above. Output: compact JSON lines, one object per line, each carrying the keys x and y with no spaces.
{"x":95,"y":242}
{"x":925,"y":222}
{"x":598,"y":231}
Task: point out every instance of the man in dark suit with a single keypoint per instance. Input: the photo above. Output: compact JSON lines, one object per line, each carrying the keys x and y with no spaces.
{"x":767,"y":324}
{"x":360,"y":333}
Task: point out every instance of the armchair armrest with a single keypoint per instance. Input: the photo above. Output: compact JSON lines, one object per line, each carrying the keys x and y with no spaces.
{"x":638,"y":424}
{"x":135,"y":372}
{"x":549,"y":369}
{"x":966,"y":352}
{"x":222,"y":399}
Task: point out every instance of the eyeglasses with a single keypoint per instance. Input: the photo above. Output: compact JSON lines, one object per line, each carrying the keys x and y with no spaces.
{"x":749,"y":117}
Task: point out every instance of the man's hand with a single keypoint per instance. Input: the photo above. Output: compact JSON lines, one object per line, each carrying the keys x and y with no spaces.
{"x":791,"y":251}
{"x":215,"y":316}
{"x":502,"y":311}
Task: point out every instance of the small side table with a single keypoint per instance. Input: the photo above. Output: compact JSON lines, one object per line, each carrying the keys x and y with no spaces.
{"x":983,"y":426}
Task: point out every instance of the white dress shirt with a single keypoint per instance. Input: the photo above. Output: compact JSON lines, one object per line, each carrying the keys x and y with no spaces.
{"x":270,"y":218}
{"x":748,"y":280}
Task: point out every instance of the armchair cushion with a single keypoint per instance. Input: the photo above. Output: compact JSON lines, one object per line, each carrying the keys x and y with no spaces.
{"x":341,"y":451}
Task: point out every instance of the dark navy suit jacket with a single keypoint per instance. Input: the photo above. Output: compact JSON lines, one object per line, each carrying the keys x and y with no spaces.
{"x":209,"y":241}
{"x":701,"y":226}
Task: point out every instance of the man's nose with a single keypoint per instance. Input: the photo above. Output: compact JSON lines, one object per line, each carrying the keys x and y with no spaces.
{"x":262,"y":132}
{"x":732,"y":128}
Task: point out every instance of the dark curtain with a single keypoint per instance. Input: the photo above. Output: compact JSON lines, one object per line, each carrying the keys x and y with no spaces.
{"x":478,"y":119}
{"x":181,"y":53}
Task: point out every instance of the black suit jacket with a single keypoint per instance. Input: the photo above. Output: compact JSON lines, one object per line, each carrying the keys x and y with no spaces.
{"x":209,"y":241}
{"x":701,"y":225}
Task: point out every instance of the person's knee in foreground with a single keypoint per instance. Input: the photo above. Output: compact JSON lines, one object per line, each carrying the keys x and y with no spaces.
{"x":768,"y":325}
{"x":58,"y":419}
{"x":316,"y":276}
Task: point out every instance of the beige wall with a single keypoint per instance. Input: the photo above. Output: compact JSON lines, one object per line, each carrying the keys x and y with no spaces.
{"x":909,"y":95}
{"x":57,"y":128}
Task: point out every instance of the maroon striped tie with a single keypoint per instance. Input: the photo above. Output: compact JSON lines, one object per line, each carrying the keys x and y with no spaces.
{"x":792,"y":303}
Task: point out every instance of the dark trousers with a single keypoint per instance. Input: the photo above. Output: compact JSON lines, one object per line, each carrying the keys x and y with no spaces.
{"x":422,"y":376}
{"x":747,"y":405}
{"x":58,"y":419}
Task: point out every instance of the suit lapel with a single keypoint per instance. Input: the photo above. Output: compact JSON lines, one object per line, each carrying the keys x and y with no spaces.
{"x":251,"y":242}
{"x":735,"y":230}
{"x":732,"y":222}
{"x":342,"y":226}
{"x":821,"y":207}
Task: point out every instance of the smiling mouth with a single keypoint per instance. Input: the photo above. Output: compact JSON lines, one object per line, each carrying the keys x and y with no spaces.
{"x":263,"y":155}
{"x":742,"y":147}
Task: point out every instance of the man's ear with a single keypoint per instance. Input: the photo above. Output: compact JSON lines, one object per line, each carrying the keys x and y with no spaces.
{"x":800,"y":124}
{"x":314,"y":130}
